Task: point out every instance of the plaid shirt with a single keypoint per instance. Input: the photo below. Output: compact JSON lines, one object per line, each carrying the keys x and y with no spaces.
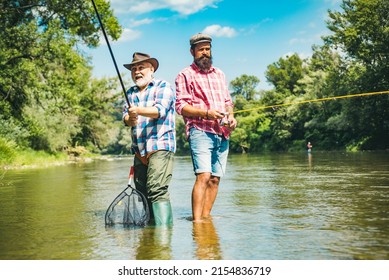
{"x":207,"y":91}
{"x":150,"y":134}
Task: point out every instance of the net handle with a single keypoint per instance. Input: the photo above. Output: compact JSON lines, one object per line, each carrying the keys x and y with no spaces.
{"x":131,"y":175}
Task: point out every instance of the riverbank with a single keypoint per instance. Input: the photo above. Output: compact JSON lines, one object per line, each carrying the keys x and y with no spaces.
{"x":34,"y":159}
{"x":23,"y":159}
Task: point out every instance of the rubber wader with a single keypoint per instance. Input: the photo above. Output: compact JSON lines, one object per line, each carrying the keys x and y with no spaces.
{"x":162,"y":213}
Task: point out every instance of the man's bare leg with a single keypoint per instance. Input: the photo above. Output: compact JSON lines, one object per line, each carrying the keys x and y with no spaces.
{"x":210,"y":196}
{"x":199,"y":194}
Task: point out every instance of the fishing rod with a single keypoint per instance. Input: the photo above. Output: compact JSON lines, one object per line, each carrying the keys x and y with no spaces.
{"x":313,"y":100}
{"x":130,"y":200}
{"x":110,"y":51}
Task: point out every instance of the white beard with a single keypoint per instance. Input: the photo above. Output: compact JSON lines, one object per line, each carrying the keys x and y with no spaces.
{"x":145,"y":80}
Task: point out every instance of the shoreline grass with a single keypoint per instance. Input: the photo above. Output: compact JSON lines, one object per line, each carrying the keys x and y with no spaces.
{"x":31,"y":159}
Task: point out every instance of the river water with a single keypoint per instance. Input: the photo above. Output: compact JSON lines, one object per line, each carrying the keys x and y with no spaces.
{"x":282,"y":206}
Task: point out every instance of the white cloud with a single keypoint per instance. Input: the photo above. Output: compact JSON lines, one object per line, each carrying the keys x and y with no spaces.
{"x":183,"y":7}
{"x":188,"y":7}
{"x":302,"y":55}
{"x":334,"y":2}
{"x":134,"y":6}
{"x":141,"y":7}
{"x":220,"y":31}
{"x":144,"y":21}
{"x":252,"y":29}
{"x":315,"y":38}
{"x":129,"y":35}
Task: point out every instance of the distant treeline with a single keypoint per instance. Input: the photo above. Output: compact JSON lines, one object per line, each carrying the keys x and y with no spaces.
{"x":50,"y":102}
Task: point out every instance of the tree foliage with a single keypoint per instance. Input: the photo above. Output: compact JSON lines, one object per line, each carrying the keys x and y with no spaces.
{"x":285,"y":73}
{"x":245,"y":85}
{"x":48,"y":100}
{"x":353,"y":59}
{"x":361,"y":30}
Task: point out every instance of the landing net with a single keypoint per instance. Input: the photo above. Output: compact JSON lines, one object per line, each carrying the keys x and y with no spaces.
{"x":129,"y":208}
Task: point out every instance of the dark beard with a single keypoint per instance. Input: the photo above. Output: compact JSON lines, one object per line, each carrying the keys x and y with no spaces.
{"x":204,"y":63}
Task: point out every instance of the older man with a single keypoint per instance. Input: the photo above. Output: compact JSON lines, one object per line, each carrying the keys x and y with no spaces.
{"x":152,"y":122}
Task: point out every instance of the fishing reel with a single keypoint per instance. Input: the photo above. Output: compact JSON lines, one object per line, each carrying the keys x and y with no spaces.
{"x":224,"y":121}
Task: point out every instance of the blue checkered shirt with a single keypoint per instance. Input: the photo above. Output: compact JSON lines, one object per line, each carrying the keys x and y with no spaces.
{"x":150,"y":134}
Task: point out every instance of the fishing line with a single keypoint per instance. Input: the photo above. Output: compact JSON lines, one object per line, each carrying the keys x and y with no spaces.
{"x":313,"y":100}
{"x":110,"y":51}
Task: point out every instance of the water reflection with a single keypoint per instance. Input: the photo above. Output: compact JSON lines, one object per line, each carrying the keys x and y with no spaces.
{"x":155,"y":243}
{"x":207,"y":240}
{"x":43,"y":213}
{"x":270,"y":206}
{"x":310,"y":161}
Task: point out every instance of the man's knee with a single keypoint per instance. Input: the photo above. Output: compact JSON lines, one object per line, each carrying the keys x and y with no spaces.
{"x":203,"y":177}
{"x":214,"y":181}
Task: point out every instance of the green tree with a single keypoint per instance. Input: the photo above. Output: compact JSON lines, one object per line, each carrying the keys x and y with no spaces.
{"x":182,"y":142}
{"x":30,"y":30}
{"x":76,"y":17}
{"x":285,"y":73}
{"x":361,"y":30}
{"x":252,"y":132}
{"x":245,"y":85}
{"x":45,"y":81}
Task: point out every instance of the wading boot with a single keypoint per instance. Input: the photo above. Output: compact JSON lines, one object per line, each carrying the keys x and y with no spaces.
{"x":162,"y":213}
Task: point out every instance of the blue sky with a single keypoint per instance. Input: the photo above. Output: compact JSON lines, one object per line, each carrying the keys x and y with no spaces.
{"x":248,"y":35}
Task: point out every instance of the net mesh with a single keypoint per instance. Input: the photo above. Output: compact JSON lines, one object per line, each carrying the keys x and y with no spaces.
{"x":129,"y":208}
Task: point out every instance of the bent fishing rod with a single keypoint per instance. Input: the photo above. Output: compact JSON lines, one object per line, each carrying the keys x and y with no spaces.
{"x":110,"y":51}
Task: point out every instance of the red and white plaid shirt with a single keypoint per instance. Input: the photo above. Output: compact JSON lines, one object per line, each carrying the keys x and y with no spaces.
{"x":207,"y":91}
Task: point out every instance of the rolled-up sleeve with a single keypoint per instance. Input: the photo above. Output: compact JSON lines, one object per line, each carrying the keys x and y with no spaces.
{"x":165,"y":99}
{"x":183,"y":92}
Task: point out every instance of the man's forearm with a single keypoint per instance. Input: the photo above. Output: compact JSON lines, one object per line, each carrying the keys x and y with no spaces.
{"x":190,"y":111}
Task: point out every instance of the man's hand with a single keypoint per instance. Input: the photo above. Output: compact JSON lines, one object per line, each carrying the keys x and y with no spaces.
{"x":131,"y":119}
{"x":215,"y":115}
{"x":232,"y":123}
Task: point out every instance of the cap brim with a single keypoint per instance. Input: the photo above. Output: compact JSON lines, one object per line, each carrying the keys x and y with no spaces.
{"x":201,"y":41}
